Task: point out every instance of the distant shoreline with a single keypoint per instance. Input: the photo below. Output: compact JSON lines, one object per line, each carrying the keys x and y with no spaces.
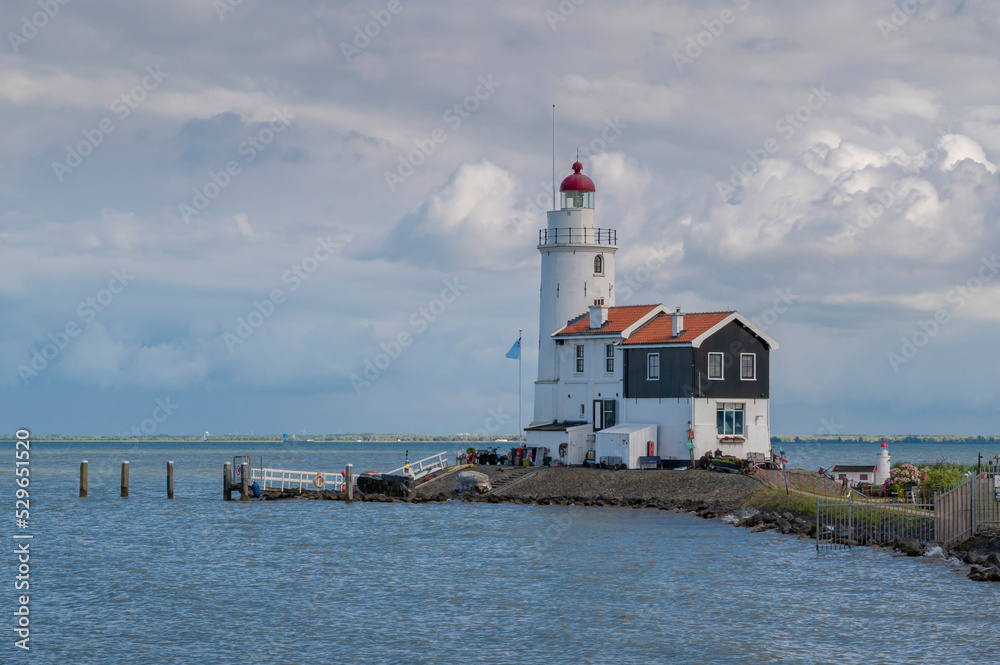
{"x":902,"y":438}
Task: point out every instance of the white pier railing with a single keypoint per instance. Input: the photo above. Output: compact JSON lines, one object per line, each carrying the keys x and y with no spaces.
{"x":335,"y":480}
{"x":285,"y":479}
{"x":423,"y":467}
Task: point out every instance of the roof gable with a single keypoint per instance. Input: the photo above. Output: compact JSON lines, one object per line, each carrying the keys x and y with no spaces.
{"x":660,"y":330}
{"x":620,"y":318}
{"x":698,"y":327}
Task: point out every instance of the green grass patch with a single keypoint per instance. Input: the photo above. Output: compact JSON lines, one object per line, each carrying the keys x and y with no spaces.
{"x":779,"y":501}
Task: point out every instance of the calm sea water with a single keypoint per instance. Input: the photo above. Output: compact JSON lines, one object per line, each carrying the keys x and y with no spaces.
{"x":198,"y":580}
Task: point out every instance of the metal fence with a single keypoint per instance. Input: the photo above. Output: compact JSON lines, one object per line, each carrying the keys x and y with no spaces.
{"x":842,"y":524}
{"x":961,"y":513}
{"x":806,"y":483}
{"x":968,"y":509}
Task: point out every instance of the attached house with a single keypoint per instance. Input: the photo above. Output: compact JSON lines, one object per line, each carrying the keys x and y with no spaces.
{"x":699,"y":377}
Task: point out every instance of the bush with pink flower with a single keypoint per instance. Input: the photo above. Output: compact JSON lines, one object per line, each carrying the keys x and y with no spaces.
{"x":900,"y":476}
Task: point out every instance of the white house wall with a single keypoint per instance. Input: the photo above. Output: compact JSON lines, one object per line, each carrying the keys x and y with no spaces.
{"x":593,"y":383}
{"x":671,"y":417}
{"x":706,"y":436}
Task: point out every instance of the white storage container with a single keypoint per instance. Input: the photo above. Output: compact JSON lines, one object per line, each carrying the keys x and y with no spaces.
{"x":625,"y":444}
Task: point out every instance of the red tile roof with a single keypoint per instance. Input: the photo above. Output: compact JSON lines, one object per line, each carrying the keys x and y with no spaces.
{"x":619,"y":318}
{"x":661,"y":329}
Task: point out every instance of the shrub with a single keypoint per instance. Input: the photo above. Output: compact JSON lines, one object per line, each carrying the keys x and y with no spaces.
{"x":900,"y":476}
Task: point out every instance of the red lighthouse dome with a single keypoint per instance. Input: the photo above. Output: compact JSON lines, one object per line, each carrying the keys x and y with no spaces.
{"x":577,"y":182}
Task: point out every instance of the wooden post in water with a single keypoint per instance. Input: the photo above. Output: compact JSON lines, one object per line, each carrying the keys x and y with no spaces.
{"x":170,"y":480}
{"x":227,"y":482}
{"x":349,"y":483}
{"x":84,"y":466}
{"x":125,"y":479}
{"x":245,"y":482}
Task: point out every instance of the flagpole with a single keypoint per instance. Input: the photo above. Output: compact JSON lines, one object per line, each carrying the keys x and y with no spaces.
{"x":520,"y":422}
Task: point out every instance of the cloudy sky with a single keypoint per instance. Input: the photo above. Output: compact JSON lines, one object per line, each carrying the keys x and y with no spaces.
{"x":232,"y":208}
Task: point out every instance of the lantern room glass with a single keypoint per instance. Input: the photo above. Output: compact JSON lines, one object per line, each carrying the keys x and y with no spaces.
{"x":577,"y":199}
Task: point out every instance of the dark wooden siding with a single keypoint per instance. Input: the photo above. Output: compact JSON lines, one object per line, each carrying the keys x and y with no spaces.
{"x":731,"y":341}
{"x":676,"y":373}
{"x":684,"y":370}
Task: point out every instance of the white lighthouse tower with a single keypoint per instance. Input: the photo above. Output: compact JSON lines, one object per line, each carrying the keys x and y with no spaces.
{"x":578,"y":272}
{"x":882,"y":467}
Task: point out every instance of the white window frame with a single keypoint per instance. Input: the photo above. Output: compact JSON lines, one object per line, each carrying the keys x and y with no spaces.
{"x":736,"y":406}
{"x":599,"y":258}
{"x":580,"y":357}
{"x":754,"y":356}
{"x":722,"y":366}
{"x":609,"y":358}
{"x":649,"y":367}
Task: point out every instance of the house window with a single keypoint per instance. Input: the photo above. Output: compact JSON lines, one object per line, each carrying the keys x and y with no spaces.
{"x":653,"y":367}
{"x":579,"y":358}
{"x":715,"y":366}
{"x":864,"y":476}
{"x":582,"y":411}
{"x":748,"y":366}
{"x":609,"y":358}
{"x":599,"y":265}
{"x":729,"y":419}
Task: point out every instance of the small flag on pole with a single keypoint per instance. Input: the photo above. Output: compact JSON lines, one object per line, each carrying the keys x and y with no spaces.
{"x":515,"y":351}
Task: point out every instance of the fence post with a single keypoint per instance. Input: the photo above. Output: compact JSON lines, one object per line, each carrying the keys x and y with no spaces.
{"x":850,"y":519}
{"x":170,"y":480}
{"x":227,"y":482}
{"x":937,"y":529}
{"x":125,"y":479}
{"x":84,"y":466}
{"x":817,"y":524}
{"x":972,"y":505}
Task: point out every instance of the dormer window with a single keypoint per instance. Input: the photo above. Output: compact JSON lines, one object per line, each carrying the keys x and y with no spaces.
{"x":599,"y":264}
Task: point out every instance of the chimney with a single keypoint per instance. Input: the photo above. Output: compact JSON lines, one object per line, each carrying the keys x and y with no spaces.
{"x":598,"y":314}
{"x":678,"y":322}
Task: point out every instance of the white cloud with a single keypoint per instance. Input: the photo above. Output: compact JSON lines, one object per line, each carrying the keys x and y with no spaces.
{"x":961,"y":147}
{"x":468,"y":221}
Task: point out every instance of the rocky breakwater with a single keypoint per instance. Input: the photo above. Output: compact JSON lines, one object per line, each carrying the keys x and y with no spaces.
{"x":983,"y":554}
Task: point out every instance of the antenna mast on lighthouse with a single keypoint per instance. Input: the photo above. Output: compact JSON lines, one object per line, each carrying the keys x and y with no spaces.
{"x":553,"y":157}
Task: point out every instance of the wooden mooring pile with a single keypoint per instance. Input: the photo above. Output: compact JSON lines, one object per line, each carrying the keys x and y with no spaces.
{"x":85,"y":479}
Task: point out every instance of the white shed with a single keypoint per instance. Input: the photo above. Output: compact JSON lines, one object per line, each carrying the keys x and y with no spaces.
{"x":625,"y":444}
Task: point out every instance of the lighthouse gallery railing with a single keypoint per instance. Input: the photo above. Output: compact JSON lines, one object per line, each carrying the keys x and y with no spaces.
{"x":570,"y":236}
